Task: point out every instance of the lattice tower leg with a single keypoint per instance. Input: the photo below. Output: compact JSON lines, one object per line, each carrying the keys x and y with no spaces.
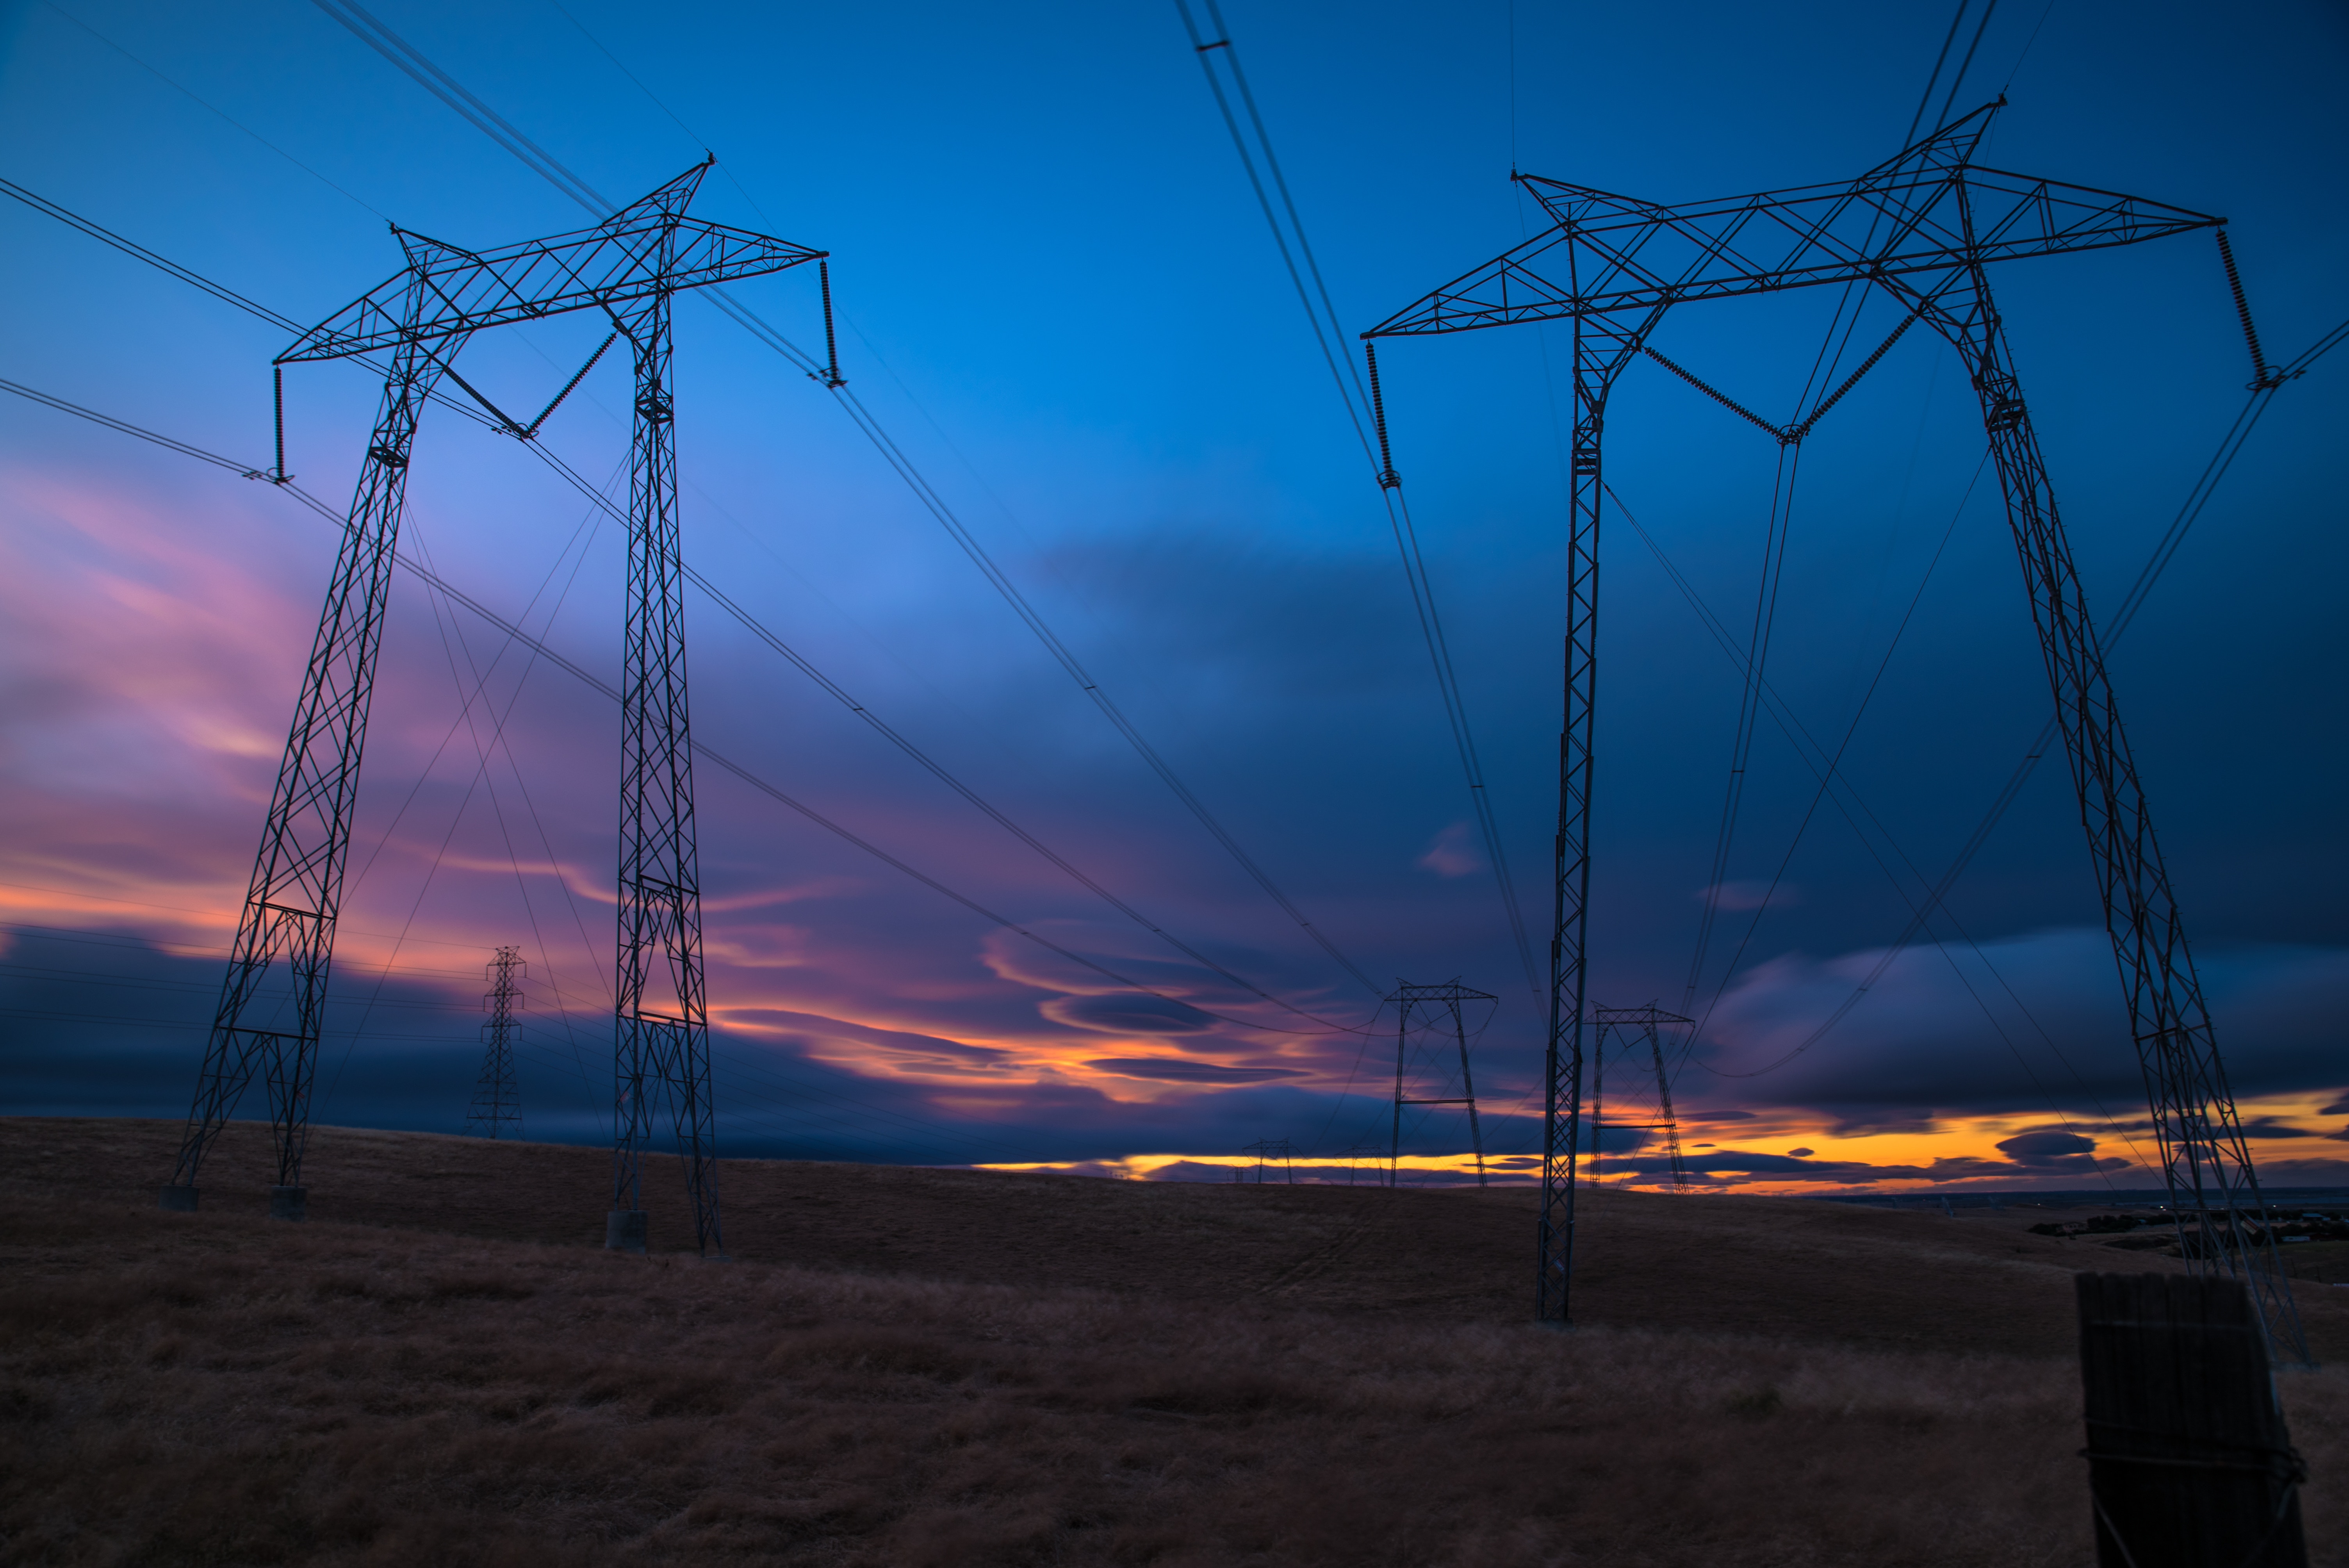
{"x":1468,"y":1088}
{"x":1602,"y":348}
{"x":1402,"y":1034}
{"x":1598,"y":1062}
{"x":1664,"y":1103}
{"x":295,"y":893}
{"x":663,"y":1031}
{"x":2205,"y":1163}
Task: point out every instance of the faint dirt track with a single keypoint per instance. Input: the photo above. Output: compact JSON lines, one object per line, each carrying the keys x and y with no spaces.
{"x":922,"y":1367}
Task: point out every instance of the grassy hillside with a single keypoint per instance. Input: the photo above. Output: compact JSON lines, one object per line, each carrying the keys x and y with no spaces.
{"x":910,"y":1367}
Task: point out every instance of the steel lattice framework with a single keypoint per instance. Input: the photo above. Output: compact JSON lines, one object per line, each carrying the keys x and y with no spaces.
{"x":1923,"y":226}
{"x":496,"y":1110}
{"x":1636,"y":1027}
{"x":1435,"y":1003}
{"x":629,"y":266}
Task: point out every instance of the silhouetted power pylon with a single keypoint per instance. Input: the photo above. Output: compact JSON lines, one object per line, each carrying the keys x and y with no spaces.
{"x":497,"y":1101}
{"x":1924,"y":227}
{"x":1430,"y":1002}
{"x":1269,"y":1149}
{"x":1628,"y":1029}
{"x":630,"y":267}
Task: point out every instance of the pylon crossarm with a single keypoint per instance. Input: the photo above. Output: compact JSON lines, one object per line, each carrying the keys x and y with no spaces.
{"x":601,"y":267}
{"x":1928,"y":211}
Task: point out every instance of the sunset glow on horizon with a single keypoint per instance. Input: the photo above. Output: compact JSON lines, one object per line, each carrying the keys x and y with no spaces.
{"x":1143,"y":436}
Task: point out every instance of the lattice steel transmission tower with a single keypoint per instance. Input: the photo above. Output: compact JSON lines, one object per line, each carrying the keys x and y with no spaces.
{"x":1430,"y":1001}
{"x":630,"y":267}
{"x":1269,"y":1149}
{"x":497,"y":1101}
{"x":1629,"y":1029}
{"x":1353,"y":1155}
{"x":1924,"y":227}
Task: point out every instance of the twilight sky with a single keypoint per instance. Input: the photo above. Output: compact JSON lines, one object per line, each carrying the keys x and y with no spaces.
{"x":1057,"y":293}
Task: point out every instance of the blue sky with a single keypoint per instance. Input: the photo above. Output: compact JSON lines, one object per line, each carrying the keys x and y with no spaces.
{"x":1057,"y":292}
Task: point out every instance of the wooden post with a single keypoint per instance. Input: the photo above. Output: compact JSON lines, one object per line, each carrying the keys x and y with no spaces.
{"x":2189,"y":1462}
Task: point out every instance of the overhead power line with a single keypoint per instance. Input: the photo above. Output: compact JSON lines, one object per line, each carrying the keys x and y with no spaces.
{"x":419,"y":68}
{"x":701,"y":748}
{"x":405,"y":57}
{"x":1362,"y":412}
{"x":104,"y":236}
{"x":2164,"y":550}
{"x":603,"y":502}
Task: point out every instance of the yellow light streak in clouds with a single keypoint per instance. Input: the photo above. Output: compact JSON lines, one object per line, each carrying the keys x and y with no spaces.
{"x":2290,"y":1143}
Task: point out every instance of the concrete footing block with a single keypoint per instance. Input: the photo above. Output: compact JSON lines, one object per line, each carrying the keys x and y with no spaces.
{"x":177,"y":1200}
{"x":624,"y":1230}
{"x":289,"y":1202}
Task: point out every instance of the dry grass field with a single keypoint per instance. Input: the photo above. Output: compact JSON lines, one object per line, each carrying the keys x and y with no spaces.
{"x":953,"y":1367}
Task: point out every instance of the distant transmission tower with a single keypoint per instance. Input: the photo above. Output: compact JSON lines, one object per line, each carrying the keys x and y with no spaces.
{"x":497,"y":1102}
{"x":1269,"y":1150}
{"x":1922,"y":228}
{"x":1626,"y":1029}
{"x":1431,"y":1001}
{"x":628,"y":268}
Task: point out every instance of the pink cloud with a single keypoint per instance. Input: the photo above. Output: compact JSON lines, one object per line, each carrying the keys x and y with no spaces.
{"x":1746,"y":896}
{"x":1450,"y":854}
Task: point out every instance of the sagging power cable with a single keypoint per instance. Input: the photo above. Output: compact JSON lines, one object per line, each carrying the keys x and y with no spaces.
{"x":1827,"y":768}
{"x":419,"y":68}
{"x":1850,"y":303}
{"x":588,"y":677}
{"x":492,"y":417}
{"x":2230,"y":446}
{"x":1364,"y":409}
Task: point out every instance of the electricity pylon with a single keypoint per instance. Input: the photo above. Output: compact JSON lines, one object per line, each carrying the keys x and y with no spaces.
{"x":1431,"y":1000}
{"x":1353,"y":1155}
{"x":1267,"y":1150}
{"x":497,"y":1103}
{"x":629,"y":267}
{"x":1632,"y":1028}
{"x":1923,"y":226}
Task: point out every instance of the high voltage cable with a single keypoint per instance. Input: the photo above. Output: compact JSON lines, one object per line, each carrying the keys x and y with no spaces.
{"x":1823,"y":364}
{"x":500,"y":741}
{"x":935,"y":504}
{"x":749,"y":622}
{"x":2164,"y":550}
{"x":107,"y":236}
{"x":2230,"y":445}
{"x":1755,"y":666}
{"x":443,"y":86}
{"x":446,"y":87}
{"x":831,"y":688}
{"x":1835,"y":762}
{"x":1006,"y":823}
{"x":214,"y":109}
{"x":701,"y":748}
{"x":1827,"y":773}
{"x":1329,"y":337}
{"x":480,"y":778}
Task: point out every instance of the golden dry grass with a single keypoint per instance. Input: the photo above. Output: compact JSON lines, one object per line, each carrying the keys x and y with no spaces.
{"x":218,"y":1389}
